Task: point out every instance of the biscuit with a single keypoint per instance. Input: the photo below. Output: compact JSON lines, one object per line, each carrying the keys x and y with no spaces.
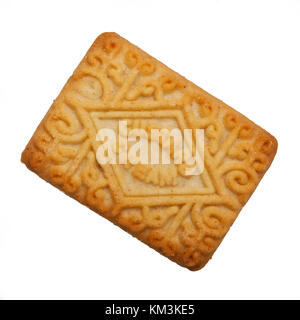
{"x":183,"y":217}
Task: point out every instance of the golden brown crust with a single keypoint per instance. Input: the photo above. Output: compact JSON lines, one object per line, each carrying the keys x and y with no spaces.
{"x":117,"y":80}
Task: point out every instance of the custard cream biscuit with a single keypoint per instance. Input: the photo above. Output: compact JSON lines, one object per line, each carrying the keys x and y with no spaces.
{"x":184,"y":217}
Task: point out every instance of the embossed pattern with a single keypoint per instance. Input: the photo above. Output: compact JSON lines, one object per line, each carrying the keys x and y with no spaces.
{"x":183,"y":217}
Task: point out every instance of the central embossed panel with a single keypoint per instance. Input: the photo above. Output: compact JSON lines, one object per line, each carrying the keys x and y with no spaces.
{"x":143,"y":179}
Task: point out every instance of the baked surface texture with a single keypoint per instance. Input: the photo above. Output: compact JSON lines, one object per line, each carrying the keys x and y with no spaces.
{"x":183,"y":217}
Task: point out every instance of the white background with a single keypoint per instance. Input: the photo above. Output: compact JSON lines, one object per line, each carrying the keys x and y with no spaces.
{"x":246,"y":53}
